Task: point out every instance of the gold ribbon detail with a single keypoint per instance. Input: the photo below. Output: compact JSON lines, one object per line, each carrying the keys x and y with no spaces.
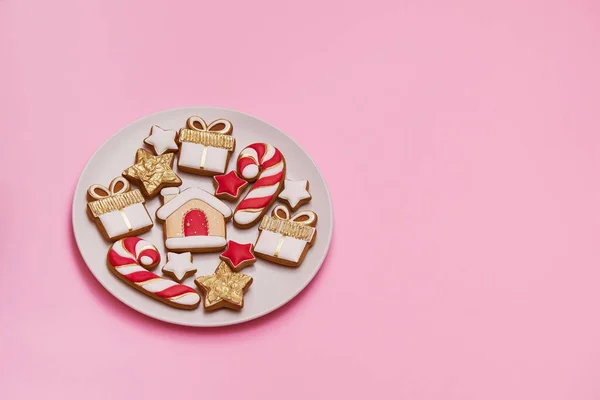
{"x":203,"y":158}
{"x":117,"y":186}
{"x":116,"y":197}
{"x":279,"y":245}
{"x":299,"y":226}
{"x":217,"y":134}
{"x":126,"y":220}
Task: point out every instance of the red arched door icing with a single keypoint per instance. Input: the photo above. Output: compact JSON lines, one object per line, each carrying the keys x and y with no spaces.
{"x":195,"y":224}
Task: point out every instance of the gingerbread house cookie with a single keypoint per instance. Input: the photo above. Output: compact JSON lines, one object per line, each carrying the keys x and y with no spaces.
{"x":194,"y":220}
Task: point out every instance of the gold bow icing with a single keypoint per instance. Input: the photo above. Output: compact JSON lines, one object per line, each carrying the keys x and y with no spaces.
{"x":216,"y":134}
{"x":303,"y":217}
{"x":114,"y":197}
{"x":299,"y":226}
{"x":100,"y":191}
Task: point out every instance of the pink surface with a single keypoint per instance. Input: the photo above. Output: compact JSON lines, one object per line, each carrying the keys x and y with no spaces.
{"x":478,"y":120}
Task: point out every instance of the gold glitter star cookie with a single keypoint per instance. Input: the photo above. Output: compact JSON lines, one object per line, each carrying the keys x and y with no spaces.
{"x":152,"y":172}
{"x":224,"y":288}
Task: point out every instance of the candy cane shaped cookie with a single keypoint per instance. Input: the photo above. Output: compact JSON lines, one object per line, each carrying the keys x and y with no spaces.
{"x":130,"y":258}
{"x":265,"y":164}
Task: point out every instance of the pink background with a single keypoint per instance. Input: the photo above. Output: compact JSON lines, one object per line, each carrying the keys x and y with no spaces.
{"x":478,"y":121}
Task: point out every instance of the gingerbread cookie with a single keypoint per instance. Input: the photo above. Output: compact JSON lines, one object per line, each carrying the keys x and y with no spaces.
{"x":179,"y":266}
{"x":285,"y":239}
{"x":238,"y":255}
{"x":229,"y":186}
{"x":152,"y":172}
{"x":295,"y":193}
{"x":205,"y":149}
{"x":117,"y":210}
{"x":194,"y":220}
{"x":224,"y":288}
{"x":130,"y":258}
{"x":265,"y":164}
{"x":162,"y":140}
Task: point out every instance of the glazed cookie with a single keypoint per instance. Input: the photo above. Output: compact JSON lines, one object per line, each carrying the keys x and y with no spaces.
{"x":295,"y":193}
{"x":265,"y":164}
{"x":194,"y":219}
{"x":285,"y":239}
{"x":179,"y":266}
{"x":238,"y":255}
{"x":229,"y":186}
{"x":152,"y":172}
{"x":163,"y":141}
{"x":117,"y":210}
{"x":205,"y":149}
{"x":130,"y":258}
{"x":224,"y":288}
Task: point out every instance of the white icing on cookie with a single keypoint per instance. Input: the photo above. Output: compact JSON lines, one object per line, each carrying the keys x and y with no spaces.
{"x":195,"y":242}
{"x":130,"y":269}
{"x":145,"y":260}
{"x":246,"y":217}
{"x":294,"y":192}
{"x":179,"y":265}
{"x":162,"y":140}
{"x":158,"y":285}
{"x":115,"y":222}
{"x":191,"y":156}
{"x":188,"y":299}
{"x":289,"y":249}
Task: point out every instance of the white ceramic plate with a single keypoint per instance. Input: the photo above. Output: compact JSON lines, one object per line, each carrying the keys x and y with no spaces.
{"x":273,"y":285}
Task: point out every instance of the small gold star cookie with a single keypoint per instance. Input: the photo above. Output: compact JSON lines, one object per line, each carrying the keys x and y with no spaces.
{"x":152,"y":172}
{"x":224,"y":288}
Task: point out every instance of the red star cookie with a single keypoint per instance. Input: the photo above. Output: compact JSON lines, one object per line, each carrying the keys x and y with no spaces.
{"x":229,"y":186}
{"x":238,"y":255}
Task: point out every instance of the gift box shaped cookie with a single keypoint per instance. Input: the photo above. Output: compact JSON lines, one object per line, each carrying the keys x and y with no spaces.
{"x":118,"y":211}
{"x":205,"y":149}
{"x":285,"y":239}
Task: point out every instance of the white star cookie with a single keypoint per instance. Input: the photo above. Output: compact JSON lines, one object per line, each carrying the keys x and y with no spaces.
{"x":179,"y":266}
{"x":295,"y":193}
{"x":162,"y":140}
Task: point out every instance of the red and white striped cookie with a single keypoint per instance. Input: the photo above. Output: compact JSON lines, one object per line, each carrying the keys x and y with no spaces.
{"x":130,"y":258}
{"x":265,"y":164}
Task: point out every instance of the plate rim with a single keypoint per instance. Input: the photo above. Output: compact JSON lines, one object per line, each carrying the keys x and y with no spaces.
{"x":320,"y":262}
